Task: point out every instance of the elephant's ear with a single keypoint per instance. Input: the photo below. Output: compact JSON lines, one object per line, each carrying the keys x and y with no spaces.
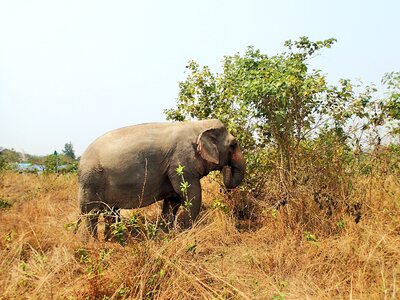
{"x":206,"y":146}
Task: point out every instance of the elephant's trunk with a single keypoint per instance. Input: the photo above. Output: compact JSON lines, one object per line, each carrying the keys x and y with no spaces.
{"x":234,"y":172}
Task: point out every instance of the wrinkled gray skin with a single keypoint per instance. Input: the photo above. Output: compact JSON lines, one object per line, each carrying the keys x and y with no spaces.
{"x":135,"y":166}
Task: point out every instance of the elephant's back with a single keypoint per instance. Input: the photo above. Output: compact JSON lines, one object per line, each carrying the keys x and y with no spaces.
{"x":143,"y":139}
{"x":131,"y":136}
{"x":160,"y":129}
{"x":118,"y":146}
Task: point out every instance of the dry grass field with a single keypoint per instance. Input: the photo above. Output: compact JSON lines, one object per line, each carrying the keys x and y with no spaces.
{"x":294,"y":252}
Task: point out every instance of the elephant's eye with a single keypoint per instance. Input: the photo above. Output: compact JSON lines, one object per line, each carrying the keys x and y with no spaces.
{"x":233,"y":145}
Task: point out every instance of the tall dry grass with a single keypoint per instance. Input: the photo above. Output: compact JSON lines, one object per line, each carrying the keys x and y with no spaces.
{"x":295,"y":252}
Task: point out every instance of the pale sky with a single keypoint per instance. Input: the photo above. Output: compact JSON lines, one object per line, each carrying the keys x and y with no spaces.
{"x":73,"y":70}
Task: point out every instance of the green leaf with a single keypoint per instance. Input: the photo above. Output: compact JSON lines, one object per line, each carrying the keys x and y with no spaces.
{"x":179,"y":170}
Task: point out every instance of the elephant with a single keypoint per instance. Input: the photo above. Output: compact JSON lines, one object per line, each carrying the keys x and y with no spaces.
{"x":136,"y":166}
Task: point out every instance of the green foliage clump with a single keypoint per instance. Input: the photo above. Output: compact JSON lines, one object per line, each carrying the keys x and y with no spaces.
{"x":392,"y":105}
{"x":219,"y":204}
{"x":2,"y":163}
{"x":291,"y":124}
{"x":8,"y":158}
{"x":60,"y":163}
{"x":263,"y":100}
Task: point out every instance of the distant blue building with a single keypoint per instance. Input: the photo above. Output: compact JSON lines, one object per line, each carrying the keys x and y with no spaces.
{"x":28,"y":167}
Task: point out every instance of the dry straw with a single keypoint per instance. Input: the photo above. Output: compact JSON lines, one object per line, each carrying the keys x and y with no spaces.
{"x":293,"y":252}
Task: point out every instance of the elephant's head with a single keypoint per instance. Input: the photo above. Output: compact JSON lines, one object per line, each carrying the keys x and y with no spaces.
{"x":219,"y":148}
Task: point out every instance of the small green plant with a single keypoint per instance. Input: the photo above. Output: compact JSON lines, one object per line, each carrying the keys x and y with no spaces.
{"x":5,"y":204}
{"x":72,"y":226}
{"x":153,"y":282}
{"x":118,"y":230}
{"x":310,"y":237}
{"x":122,"y":292}
{"x":184,"y":187}
{"x":280,"y":296}
{"x":82,"y":255}
{"x":191,"y":247}
{"x":8,"y":238}
{"x":133,"y":221}
{"x":133,"y":224}
{"x":179,"y":170}
{"x":341,"y":224}
{"x":162,"y":273}
{"x":96,"y":266}
{"x":151,"y":229}
{"x":218,"y":204}
{"x":102,"y":262}
{"x":22,"y":266}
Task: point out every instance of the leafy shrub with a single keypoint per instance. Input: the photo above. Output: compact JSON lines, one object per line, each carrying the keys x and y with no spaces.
{"x":297,"y":132}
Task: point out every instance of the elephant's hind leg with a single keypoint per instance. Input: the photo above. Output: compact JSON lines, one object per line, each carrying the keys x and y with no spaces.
{"x":111,"y":217}
{"x":169,"y":211}
{"x":90,"y":208}
{"x":91,"y":220}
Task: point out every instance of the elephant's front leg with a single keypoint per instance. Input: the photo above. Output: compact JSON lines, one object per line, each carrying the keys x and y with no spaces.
{"x":170,"y":208}
{"x":191,"y":202}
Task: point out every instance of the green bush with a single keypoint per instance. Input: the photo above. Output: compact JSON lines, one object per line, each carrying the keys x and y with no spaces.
{"x":298,"y":133}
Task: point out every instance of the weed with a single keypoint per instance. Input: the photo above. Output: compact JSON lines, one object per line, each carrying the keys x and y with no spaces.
{"x":133,"y":221}
{"x":184,"y":186}
{"x":72,"y":226}
{"x":151,"y":229}
{"x":341,"y":224}
{"x":103,"y":261}
{"x":82,"y":255}
{"x":8,"y":239}
{"x":218,"y":204}
{"x":280,"y":296}
{"x":191,"y":248}
{"x":118,"y":230}
{"x":5,"y":204}
{"x":22,"y":266}
{"x":312,"y":238}
{"x":122,"y":292}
